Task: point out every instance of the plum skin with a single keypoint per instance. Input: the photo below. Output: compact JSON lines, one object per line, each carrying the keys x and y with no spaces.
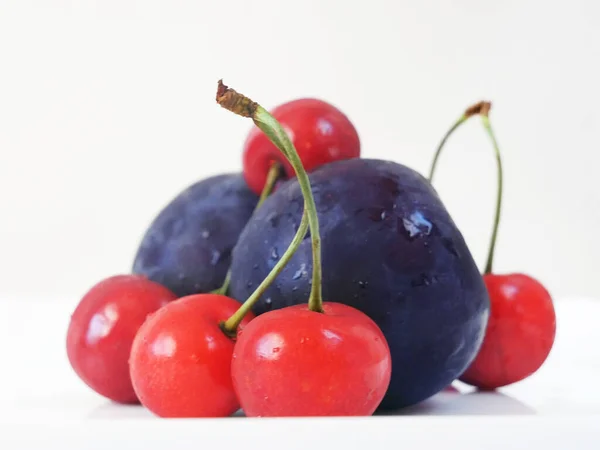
{"x":389,"y":249}
{"x":187,"y":247}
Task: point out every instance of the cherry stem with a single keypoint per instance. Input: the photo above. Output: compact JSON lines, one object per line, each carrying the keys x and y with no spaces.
{"x":488,"y":128}
{"x":230,"y":326}
{"x":482,"y":109}
{"x":225,"y":286}
{"x":243,"y":106}
{"x":272,"y":177}
{"x":478,"y":108}
{"x":438,"y":152}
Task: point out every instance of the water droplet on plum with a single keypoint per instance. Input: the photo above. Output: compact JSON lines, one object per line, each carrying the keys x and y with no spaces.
{"x":300,"y":272}
{"x":268,"y":304}
{"x":376,"y":214}
{"x":423,"y":280}
{"x":416,"y":225}
{"x":274,"y":253}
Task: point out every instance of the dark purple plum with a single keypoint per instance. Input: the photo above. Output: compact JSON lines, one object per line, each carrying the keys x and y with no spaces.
{"x":391,"y":250}
{"x":187,"y":248}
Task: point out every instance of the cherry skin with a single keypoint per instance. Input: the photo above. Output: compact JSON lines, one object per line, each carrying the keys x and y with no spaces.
{"x":181,"y":359}
{"x":296,"y":362}
{"x":519,"y":335}
{"x":320,"y":132}
{"x":102,"y":329}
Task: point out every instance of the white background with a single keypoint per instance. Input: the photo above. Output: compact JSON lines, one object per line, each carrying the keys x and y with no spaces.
{"x":107,"y":111}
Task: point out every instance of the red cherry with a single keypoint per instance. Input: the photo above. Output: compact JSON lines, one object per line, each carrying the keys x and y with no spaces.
{"x":320,"y":359}
{"x":181,"y":359}
{"x":522,"y":324}
{"x":296,"y":362}
{"x":102,"y":329}
{"x":320,"y":132}
{"x":519,"y":335}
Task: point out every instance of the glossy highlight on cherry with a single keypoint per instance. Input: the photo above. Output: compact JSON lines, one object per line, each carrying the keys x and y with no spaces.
{"x":181,"y":359}
{"x":522,"y":326}
{"x":314,"y":283}
{"x":389,"y":249}
{"x":319,"y":131}
{"x":296,"y":362}
{"x":344,"y":388}
{"x":520,"y":333}
{"x":102,"y":329}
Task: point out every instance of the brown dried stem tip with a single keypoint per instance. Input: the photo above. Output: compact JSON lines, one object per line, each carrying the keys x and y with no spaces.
{"x":235,"y":102}
{"x":482,"y":108}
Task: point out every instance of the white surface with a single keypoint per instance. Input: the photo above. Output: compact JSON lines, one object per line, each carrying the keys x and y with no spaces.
{"x":107,"y":111}
{"x":41,"y":397}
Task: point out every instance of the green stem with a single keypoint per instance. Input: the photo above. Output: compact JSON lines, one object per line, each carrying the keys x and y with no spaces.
{"x":274,"y":131}
{"x":272,"y":177}
{"x":438,"y":152}
{"x":482,"y":109}
{"x":225,"y":286}
{"x":230,"y":326}
{"x":478,"y":108}
{"x":243,"y":106}
{"x":488,"y":128}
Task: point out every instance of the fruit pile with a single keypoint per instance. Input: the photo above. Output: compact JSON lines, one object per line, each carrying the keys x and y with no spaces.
{"x":315,"y":283}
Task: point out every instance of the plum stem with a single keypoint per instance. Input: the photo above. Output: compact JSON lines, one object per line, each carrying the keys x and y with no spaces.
{"x":272,"y":177}
{"x":230,"y":326}
{"x":488,"y":128}
{"x":481,"y":108}
{"x":241,"y":105}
